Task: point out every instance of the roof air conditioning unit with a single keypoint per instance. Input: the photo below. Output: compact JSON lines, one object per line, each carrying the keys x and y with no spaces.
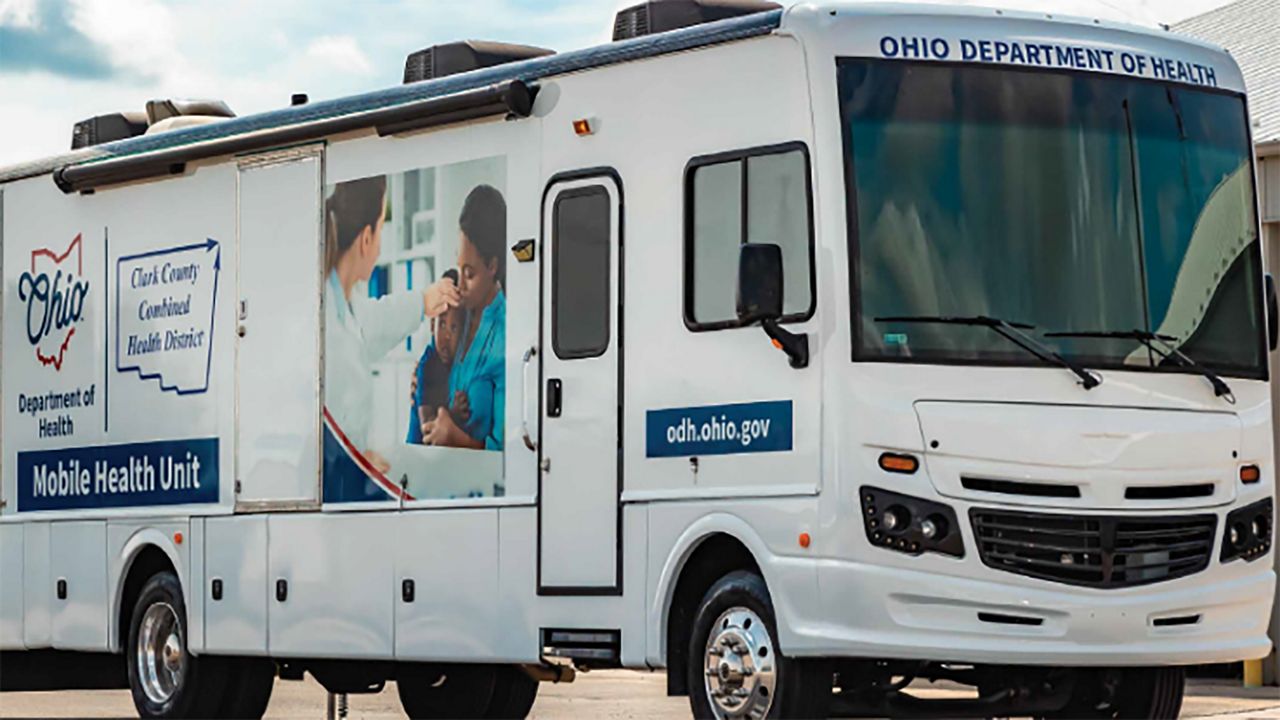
{"x":458,"y":57}
{"x":657,"y":16}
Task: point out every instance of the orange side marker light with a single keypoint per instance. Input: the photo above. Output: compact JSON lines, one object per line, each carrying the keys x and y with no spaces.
{"x":893,"y":462}
{"x":805,"y":540}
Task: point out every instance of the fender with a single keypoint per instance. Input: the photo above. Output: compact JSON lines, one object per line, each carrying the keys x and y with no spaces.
{"x":688,"y":541}
{"x":137,"y":542}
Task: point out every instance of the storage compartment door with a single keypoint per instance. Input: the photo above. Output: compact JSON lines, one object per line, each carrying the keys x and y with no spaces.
{"x":78,"y":553}
{"x":278,"y":350}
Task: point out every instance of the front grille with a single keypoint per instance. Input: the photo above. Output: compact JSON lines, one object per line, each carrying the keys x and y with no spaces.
{"x":1094,"y":550}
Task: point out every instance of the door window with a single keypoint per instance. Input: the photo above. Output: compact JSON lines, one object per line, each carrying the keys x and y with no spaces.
{"x":580,"y":273}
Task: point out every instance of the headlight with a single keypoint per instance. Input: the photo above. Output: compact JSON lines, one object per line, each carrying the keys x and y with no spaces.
{"x":1248,"y":532}
{"x":909,"y":525}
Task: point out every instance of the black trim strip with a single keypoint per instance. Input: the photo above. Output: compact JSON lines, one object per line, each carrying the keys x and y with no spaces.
{"x":513,"y":98}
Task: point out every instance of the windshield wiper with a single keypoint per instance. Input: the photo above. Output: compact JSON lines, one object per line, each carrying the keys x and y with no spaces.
{"x":1011,"y":331}
{"x":1165,"y":349}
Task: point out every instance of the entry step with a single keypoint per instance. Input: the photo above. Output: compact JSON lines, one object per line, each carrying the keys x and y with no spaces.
{"x":585,"y":647}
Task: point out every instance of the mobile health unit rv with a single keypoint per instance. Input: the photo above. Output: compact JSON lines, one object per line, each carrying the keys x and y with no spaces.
{"x":801,"y":353}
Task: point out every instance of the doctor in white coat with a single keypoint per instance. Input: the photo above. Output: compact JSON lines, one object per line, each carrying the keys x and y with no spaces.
{"x":359,"y":330}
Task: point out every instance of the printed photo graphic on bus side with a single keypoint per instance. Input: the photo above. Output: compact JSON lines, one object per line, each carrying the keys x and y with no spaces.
{"x":415,"y":342}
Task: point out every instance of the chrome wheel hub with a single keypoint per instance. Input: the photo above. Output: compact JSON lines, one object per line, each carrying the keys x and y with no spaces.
{"x":739,"y":665}
{"x":161,"y":656}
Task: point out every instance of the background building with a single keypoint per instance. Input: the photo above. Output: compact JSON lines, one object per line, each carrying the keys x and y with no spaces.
{"x":1250,"y":31}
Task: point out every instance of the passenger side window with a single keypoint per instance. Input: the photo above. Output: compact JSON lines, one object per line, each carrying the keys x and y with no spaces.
{"x":580,"y":273}
{"x":761,"y":195}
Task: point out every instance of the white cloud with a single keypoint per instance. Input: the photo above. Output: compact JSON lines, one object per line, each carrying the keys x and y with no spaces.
{"x":340,"y":53}
{"x":18,"y":13}
{"x":140,"y":35}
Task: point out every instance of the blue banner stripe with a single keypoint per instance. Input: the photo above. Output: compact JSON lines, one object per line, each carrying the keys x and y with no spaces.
{"x":166,"y":472}
{"x":719,"y":429}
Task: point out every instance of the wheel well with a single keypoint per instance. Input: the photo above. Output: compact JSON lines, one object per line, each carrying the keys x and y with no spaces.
{"x":715,"y":556}
{"x":149,"y":561}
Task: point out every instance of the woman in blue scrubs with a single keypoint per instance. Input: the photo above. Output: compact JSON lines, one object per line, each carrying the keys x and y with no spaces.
{"x":478,"y":379}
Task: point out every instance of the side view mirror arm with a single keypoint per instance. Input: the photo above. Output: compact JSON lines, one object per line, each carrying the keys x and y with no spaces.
{"x":795,"y":345}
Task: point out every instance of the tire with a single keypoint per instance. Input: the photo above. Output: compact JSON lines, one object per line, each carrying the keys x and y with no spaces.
{"x":249,"y":685}
{"x":513,"y":694}
{"x":429,"y":691}
{"x":729,"y":618}
{"x":165,"y":679}
{"x":1150,"y":693}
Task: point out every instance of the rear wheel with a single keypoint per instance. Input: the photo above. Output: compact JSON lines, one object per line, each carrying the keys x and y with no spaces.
{"x":735,"y":669}
{"x":429,"y":691}
{"x":165,"y":679}
{"x":513,"y":694}
{"x":249,"y":685}
{"x":1152,"y":693}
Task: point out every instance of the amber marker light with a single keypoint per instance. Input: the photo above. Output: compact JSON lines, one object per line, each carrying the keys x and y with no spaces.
{"x":805,"y":540}
{"x":1250,"y":474}
{"x":177,"y":538}
{"x":583,"y":127}
{"x":895,"y":463}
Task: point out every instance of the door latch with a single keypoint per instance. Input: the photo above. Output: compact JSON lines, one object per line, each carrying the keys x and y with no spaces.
{"x":545,"y":465}
{"x":555,"y":391}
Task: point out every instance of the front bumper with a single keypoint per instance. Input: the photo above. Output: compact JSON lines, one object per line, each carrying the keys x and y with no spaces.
{"x":875,"y":611}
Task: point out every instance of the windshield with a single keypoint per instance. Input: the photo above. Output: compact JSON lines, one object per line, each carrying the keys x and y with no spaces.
{"x":1067,"y":201}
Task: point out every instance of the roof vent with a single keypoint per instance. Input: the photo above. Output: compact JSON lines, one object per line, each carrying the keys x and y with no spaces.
{"x":457,"y":57}
{"x":657,"y":16}
{"x":107,"y":128}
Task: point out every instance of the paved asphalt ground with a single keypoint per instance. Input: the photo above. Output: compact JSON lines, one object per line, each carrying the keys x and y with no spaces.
{"x":601,"y":695}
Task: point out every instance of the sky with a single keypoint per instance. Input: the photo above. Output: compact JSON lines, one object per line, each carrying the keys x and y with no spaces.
{"x":62,"y":61}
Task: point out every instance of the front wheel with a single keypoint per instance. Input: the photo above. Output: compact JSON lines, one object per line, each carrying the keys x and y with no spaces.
{"x":1145,"y":693}
{"x":735,"y":669}
{"x":165,"y":679}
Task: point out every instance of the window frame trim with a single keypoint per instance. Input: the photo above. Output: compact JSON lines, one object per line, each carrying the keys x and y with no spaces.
{"x":570,"y":193}
{"x":741,"y":156}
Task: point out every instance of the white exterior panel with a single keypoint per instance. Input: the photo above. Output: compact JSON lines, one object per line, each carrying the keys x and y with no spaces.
{"x":341,"y":587}
{"x":78,"y":553}
{"x":451,"y":556}
{"x":37,"y":587}
{"x":11,"y":601}
{"x":278,"y":253}
{"x":235,"y":553}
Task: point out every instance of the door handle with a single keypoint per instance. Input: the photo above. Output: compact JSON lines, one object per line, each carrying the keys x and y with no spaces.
{"x":554,"y":399}
{"x":524,"y":398}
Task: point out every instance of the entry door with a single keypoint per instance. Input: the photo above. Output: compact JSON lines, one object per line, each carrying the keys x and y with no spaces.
{"x":580,"y":453}
{"x":278,"y":314}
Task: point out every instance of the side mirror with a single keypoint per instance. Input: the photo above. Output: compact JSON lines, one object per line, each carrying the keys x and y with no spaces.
{"x":1273,"y":314}
{"x":759,"y":283}
{"x":760,"y":299}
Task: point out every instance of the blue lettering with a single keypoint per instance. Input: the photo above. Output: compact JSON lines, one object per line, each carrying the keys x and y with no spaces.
{"x":888,"y":47}
{"x":968,"y":51}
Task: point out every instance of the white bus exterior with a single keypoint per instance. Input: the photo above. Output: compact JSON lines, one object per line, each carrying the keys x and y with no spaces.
{"x":253,"y":426}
